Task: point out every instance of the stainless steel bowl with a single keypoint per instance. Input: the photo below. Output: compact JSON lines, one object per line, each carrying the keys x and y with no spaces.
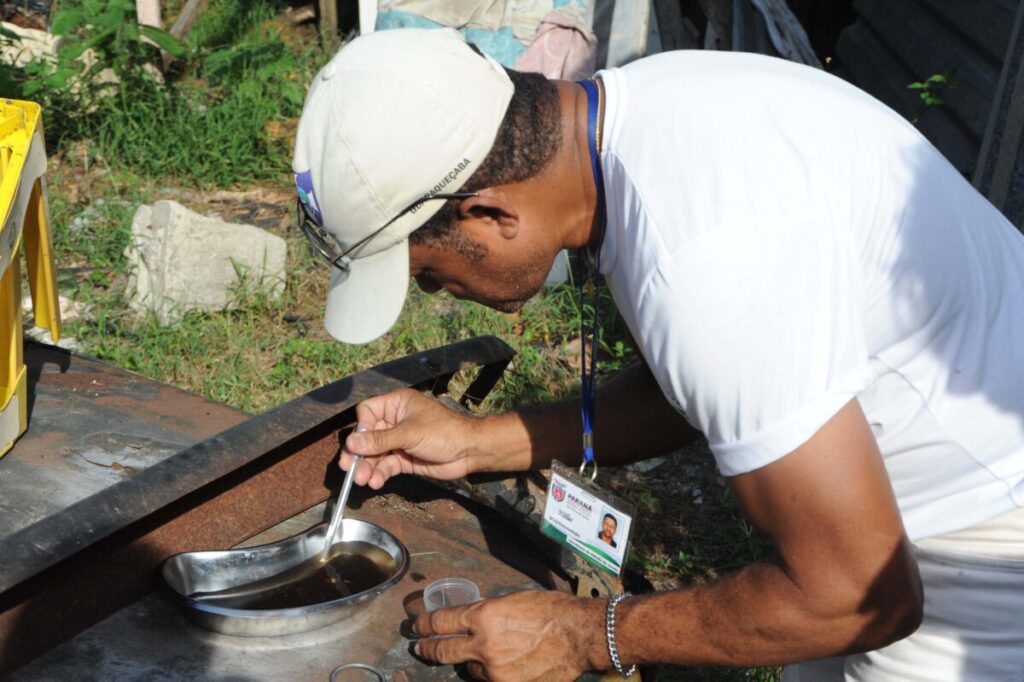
{"x":212,"y":571}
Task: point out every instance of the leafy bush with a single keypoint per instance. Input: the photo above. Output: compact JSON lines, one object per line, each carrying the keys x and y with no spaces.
{"x":208,"y":127}
{"x":103,"y":50}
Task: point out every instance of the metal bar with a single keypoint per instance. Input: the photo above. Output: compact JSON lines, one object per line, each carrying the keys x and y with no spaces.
{"x":1001,"y":162}
{"x":43,"y":544}
{"x":482,"y":385}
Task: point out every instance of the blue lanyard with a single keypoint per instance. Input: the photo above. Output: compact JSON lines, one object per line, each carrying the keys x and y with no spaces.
{"x":588,"y":375}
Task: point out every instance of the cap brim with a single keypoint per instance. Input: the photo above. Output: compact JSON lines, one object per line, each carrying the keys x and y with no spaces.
{"x":365,"y":302}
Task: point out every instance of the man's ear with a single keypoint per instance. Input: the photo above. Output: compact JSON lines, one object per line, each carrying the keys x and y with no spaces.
{"x":494,"y":207}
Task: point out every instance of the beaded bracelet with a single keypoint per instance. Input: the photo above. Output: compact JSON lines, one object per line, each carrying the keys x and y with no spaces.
{"x":609,"y":629}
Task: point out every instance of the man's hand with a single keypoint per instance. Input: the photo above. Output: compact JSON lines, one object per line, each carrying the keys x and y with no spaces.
{"x":523,"y":636}
{"x":405,"y":432}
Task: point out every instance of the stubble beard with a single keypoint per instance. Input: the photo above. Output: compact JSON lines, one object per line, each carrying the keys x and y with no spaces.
{"x":506,"y":306}
{"x":531,"y":279}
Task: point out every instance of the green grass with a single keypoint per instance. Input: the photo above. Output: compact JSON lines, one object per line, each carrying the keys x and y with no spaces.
{"x":222,"y":130}
{"x":267,"y":351}
{"x":225,"y":23}
{"x":180,"y":134}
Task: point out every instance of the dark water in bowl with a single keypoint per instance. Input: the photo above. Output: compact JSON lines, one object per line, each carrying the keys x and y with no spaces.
{"x":352,"y":567}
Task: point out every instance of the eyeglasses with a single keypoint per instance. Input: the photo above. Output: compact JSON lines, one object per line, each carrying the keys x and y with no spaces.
{"x":336,"y":254}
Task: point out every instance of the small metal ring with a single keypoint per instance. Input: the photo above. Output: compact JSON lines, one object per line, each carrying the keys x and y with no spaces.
{"x":583,"y":467}
{"x":373,"y":670}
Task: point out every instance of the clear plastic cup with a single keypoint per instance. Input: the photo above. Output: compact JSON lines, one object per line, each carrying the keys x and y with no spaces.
{"x":446,"y":592}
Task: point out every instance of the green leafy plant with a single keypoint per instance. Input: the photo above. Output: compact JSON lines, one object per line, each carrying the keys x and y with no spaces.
{"x":220,"y":119}
{"x":933,"y":90}
{"x":262,"y":63}
{"x":103,"y":52}
{"x":228,"y":22}
{"x":109,"y":28}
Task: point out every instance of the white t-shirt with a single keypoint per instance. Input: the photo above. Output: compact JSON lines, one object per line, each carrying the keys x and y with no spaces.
{"x":779,"y":242}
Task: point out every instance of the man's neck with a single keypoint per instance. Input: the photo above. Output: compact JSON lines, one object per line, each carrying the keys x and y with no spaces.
{"x":573,"y":173}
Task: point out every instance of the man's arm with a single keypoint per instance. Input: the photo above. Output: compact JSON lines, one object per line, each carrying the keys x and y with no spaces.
{"x":845,"y":581}
{"x":633,"y":421}
{"x":409,"y":433}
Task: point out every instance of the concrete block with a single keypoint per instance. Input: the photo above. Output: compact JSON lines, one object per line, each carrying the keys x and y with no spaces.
{"x":32,"y":44}
{"x":182,"y":261}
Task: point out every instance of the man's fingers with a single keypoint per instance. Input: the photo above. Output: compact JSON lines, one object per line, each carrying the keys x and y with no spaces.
{"x":451,"y":621}
{"x":370,"y":412}
{"x":379,"y":470}
{"x":376,"y":442}
{"x":363,"y":474}
{"x":477,"y":670}
{"x":446,"y":651}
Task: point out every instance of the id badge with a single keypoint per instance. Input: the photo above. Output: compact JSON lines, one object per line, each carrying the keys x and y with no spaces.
{"x":591,"y":521}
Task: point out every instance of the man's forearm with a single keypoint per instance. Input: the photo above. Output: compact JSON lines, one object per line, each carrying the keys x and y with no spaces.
{"x":756,"y":616}
{"x":633,"y":422}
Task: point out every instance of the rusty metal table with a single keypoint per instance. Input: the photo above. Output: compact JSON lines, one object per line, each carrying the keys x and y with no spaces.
{"x":117,"y":472}
{"x":152,"y":640}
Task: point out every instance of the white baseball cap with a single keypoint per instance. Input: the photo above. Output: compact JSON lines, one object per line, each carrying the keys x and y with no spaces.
{"x":394,"y":117}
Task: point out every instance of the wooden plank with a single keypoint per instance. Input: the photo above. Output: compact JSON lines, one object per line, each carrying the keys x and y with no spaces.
{"x":147,"y":13}
{"x":1008,"y":157}
{"x":719,"y":16}
{"x":986,"y":24}
{"x":368,"y":16}
{"x":628,"y":38}
{"x":672,"y":26}
{"x":786,"y":32}
{"x":187,"y":17}
{"x":329,"y":24}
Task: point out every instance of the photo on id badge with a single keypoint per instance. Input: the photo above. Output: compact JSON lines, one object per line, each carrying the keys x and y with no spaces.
{"x":591,"y":521}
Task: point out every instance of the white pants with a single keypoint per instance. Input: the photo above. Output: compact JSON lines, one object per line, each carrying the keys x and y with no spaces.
{"x":973,"y":627}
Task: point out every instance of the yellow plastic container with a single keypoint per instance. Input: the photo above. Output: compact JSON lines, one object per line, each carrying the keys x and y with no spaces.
{"x":23,"y":219}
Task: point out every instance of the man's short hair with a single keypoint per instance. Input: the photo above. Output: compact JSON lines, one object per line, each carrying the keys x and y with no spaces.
{"x":614,"y":520}
{"x":526,"y":142}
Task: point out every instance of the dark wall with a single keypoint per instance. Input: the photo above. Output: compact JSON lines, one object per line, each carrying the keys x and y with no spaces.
{"x":824,"y":20}
{"x":894,"y":43}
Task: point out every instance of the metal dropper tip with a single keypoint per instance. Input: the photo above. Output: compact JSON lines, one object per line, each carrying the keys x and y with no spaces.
{"x":339,"y":509}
